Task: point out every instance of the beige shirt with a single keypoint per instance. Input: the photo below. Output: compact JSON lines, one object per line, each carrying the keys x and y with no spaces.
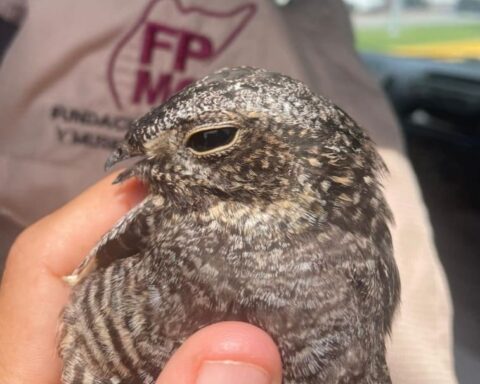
{"x":79,"y":71}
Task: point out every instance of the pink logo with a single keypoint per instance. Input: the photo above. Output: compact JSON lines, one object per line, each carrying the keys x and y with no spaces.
{"x":168,"y":45}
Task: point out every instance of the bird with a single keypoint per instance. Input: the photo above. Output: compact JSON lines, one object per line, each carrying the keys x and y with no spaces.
{"x":265,"y":205}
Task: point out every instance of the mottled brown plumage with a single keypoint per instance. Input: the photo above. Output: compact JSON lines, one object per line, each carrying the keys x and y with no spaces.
{"x":265,"y":206}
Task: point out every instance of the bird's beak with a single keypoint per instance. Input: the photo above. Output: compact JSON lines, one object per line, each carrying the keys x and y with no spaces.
{"x":122,"y":152}
{"x":125,"y":151}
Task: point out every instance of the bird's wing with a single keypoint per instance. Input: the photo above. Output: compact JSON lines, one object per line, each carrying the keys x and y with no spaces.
{"x":125,"y":239}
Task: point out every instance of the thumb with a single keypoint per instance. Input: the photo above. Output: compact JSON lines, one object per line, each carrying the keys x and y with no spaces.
{"x":228,"y":352}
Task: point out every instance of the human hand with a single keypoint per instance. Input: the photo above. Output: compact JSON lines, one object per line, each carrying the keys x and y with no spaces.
{"x":32,"y":295}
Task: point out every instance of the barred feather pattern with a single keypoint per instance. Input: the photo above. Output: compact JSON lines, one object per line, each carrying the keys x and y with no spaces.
{"x":287,"y":230}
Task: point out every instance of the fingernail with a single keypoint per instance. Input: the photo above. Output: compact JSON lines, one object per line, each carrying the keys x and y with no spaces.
{"x":232,"y":372}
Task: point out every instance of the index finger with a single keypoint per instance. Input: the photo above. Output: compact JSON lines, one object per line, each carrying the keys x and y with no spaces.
{"x":61,"y":240}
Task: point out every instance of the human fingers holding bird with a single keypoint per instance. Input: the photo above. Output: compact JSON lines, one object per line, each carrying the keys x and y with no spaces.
{"x":33,"y":294}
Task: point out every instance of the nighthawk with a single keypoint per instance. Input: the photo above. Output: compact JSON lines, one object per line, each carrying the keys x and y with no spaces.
{"x":265,"y":205}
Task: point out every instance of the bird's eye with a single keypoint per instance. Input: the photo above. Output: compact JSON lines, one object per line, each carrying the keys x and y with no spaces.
{"x":209,"y":140}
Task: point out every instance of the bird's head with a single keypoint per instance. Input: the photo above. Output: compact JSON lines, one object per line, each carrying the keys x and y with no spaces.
{"x":251,"y":136}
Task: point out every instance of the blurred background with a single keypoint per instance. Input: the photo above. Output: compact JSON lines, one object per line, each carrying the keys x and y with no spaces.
{"x":426,"y":55}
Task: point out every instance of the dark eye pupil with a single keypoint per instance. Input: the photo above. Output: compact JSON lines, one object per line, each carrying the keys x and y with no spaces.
{"x":207,"y":140}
